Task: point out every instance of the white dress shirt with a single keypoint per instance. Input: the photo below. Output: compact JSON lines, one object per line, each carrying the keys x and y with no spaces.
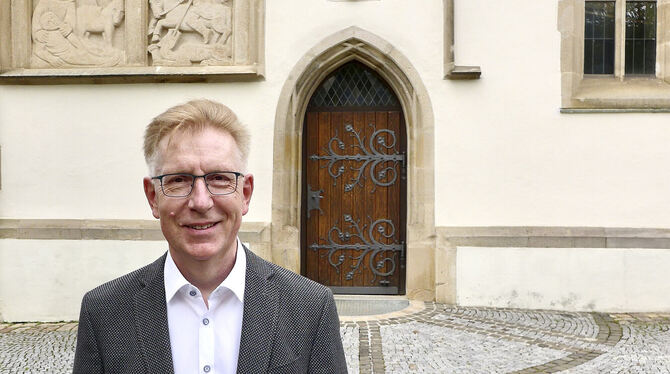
{"x":205,"y":340}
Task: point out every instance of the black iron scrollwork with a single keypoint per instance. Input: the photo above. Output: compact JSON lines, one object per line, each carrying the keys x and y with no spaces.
{"x":373,"y":156}
{"x":339,"y":239}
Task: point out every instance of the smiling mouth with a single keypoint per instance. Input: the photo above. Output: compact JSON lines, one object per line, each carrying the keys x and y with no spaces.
{"x":200,"y":227}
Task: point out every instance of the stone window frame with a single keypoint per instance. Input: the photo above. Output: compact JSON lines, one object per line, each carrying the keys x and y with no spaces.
{"x":617,"y":92}
{"x":451,"y":70}
{"x":16,"y":49}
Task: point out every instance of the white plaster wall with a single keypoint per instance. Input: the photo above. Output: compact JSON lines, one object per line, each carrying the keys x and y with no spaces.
{"x":44,"y":280}
{"x":504,"y":153}
{"x":84,"y":142}
{"x":574,"y":279}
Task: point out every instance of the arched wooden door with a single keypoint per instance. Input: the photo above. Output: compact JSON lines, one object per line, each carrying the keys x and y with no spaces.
{"x":354,"y":185}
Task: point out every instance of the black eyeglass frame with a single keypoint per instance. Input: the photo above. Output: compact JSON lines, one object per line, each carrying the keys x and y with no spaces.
{"x":195,"y":177}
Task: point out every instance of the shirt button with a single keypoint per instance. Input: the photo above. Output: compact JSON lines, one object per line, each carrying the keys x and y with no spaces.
{"x":192,"y":293}
{"x":207,"y":368}
{"x":205,"y":321}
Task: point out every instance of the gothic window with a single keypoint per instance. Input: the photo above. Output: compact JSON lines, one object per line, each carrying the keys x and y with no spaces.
{"x":353,"y":85}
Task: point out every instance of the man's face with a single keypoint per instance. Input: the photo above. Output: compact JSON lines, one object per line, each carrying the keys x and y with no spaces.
{"x":200,"y":226}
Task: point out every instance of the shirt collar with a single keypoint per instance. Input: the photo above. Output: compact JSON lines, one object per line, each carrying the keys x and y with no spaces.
{"x":174,"y":280}
{"x":235,"y":280}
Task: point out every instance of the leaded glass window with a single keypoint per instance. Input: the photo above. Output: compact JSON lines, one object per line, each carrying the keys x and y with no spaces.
{"x":640,"y":37}
{"x":626,"y":43}
{"x":353,"y":85}
{"x":599,"y":37}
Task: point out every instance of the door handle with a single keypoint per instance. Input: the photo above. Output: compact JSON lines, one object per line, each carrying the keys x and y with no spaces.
{"x":314,"y":200}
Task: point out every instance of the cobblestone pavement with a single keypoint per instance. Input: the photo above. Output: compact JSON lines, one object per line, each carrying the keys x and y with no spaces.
{"x":433,"y":338}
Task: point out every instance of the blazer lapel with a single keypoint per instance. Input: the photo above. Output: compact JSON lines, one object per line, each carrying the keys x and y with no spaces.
{"x":151,"y":320}
{"x":261,"y":307}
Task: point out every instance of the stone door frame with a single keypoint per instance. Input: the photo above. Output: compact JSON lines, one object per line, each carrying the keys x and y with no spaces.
{"x":337,"y":49}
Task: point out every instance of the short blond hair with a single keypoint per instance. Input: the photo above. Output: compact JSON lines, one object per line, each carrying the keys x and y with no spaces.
{"x":193,"y":116}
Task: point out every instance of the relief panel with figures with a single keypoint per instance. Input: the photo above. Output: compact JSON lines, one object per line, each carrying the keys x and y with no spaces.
{"x":190,"y":32}
{"x":196,"y":38}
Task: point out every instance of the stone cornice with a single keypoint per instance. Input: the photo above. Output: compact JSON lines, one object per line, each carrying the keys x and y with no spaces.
{"x":553,"y":237}
{"x":449,"y":236}
{"x":84,"y":229}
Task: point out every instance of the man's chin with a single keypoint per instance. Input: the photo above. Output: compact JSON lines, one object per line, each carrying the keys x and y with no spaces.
{"x":204,"y":254}
{"x":204,"y":251}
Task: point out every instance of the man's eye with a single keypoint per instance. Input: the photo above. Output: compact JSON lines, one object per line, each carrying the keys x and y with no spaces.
{"x":177,"y":179}
{"x":220,"y":178}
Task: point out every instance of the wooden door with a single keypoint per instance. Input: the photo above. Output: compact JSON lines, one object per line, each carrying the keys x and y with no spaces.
{"x":353,"y":216}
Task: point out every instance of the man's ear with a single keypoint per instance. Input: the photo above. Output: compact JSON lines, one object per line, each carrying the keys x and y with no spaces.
{"x":150,"y":192}
{"x":247,"y":191}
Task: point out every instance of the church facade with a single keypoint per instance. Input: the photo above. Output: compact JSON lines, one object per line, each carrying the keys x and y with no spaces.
{"x":504,"y":154}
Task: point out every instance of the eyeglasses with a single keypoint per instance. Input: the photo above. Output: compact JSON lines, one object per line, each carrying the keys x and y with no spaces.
{"x":181,"y":184}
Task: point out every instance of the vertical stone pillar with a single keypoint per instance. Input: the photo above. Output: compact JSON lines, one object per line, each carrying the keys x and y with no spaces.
{"x":5,"y":36}
{"x":663,"y":42}
{"x":445,"y":270}
{"x":136,"y":23}
{"x":21,"y":32}
{"x":257,"y":50}
{"x":449,"y":63}
{"x":570,"y":22}
{"x":619,"y":39}
{"x":241,"y":19}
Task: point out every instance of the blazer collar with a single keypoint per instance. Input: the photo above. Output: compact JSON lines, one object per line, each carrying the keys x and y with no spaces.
{"x":151,"y":320}
{"x":259,"y":321}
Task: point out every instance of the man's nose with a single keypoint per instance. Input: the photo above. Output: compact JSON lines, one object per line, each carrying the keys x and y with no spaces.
{"x":200,"y":198}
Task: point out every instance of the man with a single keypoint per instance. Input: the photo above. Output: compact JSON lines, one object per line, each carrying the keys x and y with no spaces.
{"x":208,"y":305}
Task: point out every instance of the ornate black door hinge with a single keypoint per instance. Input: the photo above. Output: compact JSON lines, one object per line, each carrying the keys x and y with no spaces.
{"x":354,"y":238}
{"x":372,"y":156}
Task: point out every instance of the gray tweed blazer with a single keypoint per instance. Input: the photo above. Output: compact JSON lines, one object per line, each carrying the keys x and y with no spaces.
{"x":289,"y":325}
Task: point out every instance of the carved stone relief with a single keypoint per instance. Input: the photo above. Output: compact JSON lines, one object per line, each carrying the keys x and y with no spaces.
{"x":114,"y":41}
{"x":186,"y":32}
{"x":69,"y":33}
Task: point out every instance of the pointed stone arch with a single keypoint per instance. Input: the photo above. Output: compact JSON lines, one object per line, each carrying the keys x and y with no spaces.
{"x":337,"y":49}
